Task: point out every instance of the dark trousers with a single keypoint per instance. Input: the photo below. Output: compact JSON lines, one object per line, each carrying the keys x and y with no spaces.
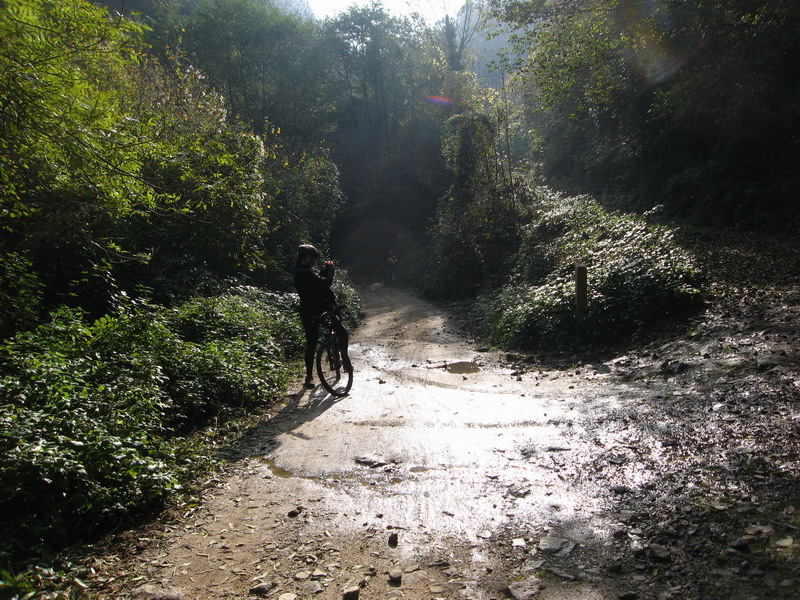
{"x":311,"y":328}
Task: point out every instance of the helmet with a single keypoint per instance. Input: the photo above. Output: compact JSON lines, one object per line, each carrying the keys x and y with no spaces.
{"x":307,"y":250}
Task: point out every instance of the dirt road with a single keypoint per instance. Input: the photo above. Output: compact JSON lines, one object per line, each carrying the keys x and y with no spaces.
{"x":444,"y":474}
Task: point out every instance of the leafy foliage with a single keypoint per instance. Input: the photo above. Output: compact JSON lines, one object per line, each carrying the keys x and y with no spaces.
{"x":20,"y":294}
{"x":126,"y":173}
{"x":687,"y":104}
{"x":637,"y":275}
{"x":62,"y":129}
{"x":348,"y":296}
{"x":271,"y":65}
{"x":476,"y":232}
{"x":94,"y":411}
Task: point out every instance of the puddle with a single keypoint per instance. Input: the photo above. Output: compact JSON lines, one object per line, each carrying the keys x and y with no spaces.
{"x":462,"y":367}
{"x":335,"y":481}
{"x":280,"y":472}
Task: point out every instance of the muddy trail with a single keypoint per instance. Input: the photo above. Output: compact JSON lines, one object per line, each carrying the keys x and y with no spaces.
{"x":455,"y":472}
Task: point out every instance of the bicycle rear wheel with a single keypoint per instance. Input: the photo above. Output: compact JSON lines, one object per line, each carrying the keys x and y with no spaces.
{"x":330,"y":370}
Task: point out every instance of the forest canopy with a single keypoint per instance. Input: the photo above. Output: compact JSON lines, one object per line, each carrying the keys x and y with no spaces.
{"x":693,"y":105}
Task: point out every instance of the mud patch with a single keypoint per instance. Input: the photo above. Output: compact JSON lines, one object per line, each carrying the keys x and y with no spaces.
{"x":282,"y":473}
{"x":463,"y":367}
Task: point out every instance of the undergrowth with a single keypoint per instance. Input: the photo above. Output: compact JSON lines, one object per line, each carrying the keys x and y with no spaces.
{"x":637,"y":275}
{"x":104,"y":421}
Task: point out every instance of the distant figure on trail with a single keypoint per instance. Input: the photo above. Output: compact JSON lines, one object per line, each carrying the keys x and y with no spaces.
{"x":391,"y":267}
{"x":316,"y":297}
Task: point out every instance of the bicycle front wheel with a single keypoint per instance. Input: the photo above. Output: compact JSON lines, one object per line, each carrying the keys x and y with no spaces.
{"x":330,"y":370}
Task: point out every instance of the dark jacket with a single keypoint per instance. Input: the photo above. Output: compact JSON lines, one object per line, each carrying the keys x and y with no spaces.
{"x":315,"y":291}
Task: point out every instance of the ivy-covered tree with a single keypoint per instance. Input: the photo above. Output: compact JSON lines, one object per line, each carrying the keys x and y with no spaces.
{"x":479,"y":220}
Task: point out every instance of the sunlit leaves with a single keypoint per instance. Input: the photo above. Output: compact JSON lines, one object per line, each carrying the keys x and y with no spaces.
{"x":637,"y":275}
{"x":62,"y":66}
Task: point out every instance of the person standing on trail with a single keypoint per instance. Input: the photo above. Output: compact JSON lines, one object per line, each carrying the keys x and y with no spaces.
{"x":391,"y":266}
{"x":316,"y":297}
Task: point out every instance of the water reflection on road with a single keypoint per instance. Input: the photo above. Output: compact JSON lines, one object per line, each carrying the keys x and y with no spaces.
{"x":440,"y":441}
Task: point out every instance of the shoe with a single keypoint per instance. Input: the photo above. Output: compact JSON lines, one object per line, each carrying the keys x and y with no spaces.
{"x":309,"y":385}
{"x":347,"y":365}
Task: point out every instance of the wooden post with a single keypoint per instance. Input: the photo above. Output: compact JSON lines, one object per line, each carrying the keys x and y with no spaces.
{"x":581,"y":297}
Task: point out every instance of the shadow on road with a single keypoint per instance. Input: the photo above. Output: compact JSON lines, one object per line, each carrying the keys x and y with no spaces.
{"x":299,"y":408}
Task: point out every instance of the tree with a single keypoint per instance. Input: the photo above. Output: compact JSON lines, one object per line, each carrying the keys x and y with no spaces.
{"x":126,"y":173}
{"x":459,"y":33}
{"x":691,"y":99}
{"x":266,"y":61}
{"x":68,"y":151}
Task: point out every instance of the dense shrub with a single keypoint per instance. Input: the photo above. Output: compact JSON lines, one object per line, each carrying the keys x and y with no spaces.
{"x":347,"y":295}
{"x":20,"y":294}
{"x":92,"y":413}
{"x":637,"y":275}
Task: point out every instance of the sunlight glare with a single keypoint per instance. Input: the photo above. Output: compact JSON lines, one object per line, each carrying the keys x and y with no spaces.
{"x":431,"y":10}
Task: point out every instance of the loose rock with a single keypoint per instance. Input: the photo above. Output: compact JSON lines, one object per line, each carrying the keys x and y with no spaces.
{"x":372,"y":463}
{"x":525,"y":590}
{"x":262,"y":589}
{"x":660,"y":553}
{"x":150,"y":592}
{"x":551,"y":544}
{"x":311,"y":587}
{"x":561,"y":573}
{"x":351,"y":593}
{"x":567,"y":548}
{"x":741,"y":544}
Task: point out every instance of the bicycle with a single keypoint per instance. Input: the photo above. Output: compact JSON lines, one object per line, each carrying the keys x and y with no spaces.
{"x":330,"y":369}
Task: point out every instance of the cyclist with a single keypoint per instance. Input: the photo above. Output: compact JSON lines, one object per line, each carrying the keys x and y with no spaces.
{"x":316,"y":297}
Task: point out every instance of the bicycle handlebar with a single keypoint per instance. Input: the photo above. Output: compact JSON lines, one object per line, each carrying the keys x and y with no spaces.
{"x":332,"y":311}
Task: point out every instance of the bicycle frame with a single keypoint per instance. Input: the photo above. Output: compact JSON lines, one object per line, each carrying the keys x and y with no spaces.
{"x":329,"y":357}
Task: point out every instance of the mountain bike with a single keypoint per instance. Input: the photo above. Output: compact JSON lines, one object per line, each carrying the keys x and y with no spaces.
{"x":330,"y":369}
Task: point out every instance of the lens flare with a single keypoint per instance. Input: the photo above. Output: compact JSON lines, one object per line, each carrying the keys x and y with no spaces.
{"x":439,"y":100}
{"x":656,"y":58}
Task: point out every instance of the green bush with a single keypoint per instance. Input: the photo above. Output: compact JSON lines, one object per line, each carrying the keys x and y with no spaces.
{"x":77,"y":443}
{"x":230,"y":352}
{"x":636,"y":273}
{"x":89,"y":431}
{"x":347,"y":295}
{"x":20,"y":294}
